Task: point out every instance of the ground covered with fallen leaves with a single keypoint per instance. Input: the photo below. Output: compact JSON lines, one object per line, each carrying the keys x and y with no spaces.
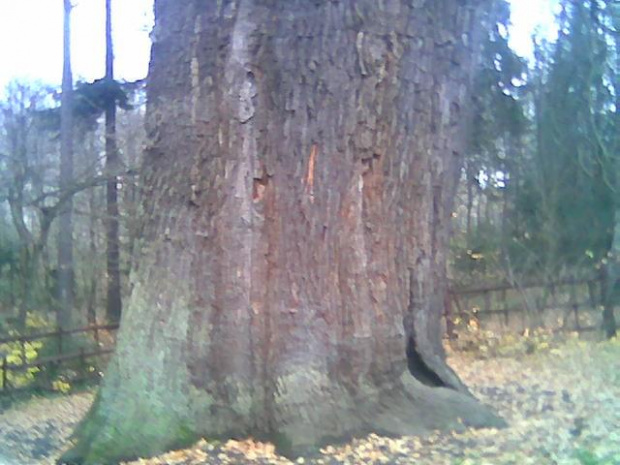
{"x":562,"y":404}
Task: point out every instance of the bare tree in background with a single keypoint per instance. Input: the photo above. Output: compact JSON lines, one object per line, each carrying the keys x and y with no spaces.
{"x":65,"y":232}
{"x":114,"y":302}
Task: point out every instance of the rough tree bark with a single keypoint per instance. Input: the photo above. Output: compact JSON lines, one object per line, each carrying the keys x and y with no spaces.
{"x":65,"y":228}
{"x":298,"y":184}
{"x":113,"y":302}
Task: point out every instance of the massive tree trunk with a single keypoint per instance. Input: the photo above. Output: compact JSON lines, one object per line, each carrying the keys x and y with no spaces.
{"x":298,"y":184}
{"x":610,"y":288}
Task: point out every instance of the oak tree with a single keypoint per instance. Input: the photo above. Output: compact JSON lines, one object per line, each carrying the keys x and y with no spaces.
{"x":297,"y":190}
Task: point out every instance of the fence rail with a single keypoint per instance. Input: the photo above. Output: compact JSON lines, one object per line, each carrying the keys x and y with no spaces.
{"x":61,"y":356}
{"x":461,"y":302}
{"x":533,"y":300}
{"x":59,"y":333}
{"x":505,"y":286}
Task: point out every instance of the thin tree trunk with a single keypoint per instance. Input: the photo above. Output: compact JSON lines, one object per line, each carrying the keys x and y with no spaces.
{"x":31,"y":289}
{"x":25,"y":259}
{"x":504,"y":214}
{"x":92,"y":236}
{"x":470,"y":200}
{"x":479,"y":196}
{"x":611,"y":281}
{"x":20,"y":167}
{"x":26,"y":294}
{"x":65,"y":229}
{"x":612,"y":271}
{"x":291,"y":276}
{"x":114,"y":302}
{"x":488,"y":207}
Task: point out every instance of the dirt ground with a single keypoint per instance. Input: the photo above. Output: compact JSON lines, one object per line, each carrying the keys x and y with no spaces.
{"x":562,"y":404}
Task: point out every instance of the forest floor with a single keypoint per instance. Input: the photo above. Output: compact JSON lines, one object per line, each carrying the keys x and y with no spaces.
{"x":562,"y":403}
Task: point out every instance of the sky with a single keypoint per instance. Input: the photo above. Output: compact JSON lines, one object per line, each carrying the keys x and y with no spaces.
{"x":31,"y":37}
{"x":527,"y":17}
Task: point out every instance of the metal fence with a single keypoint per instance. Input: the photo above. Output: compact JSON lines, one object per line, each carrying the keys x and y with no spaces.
{"x":571,"y":304}
{"x":60,"y":357}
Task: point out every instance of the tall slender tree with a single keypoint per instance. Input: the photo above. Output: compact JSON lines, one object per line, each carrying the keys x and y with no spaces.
{"x":498,"y":123}
{"x":613,"y":270}
{"x":65,"y":228}
{"x":114,"y":302}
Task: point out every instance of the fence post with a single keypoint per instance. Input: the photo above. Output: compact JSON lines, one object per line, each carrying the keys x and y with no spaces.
{"x":487,"y":301}
{"x":575,"y":306}
{"x":592,"y":294}
{"x":449,"y":315}
{"x":505,"y":308}
{"x":82,"y":363}
{"x":22,"y":340}
{"x":4,"y":374}
{"x":554,"y":297}
{"x":60,"y":340}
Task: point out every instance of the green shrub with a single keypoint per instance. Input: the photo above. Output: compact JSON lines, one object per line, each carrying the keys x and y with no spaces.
{"x":17,"y":353}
